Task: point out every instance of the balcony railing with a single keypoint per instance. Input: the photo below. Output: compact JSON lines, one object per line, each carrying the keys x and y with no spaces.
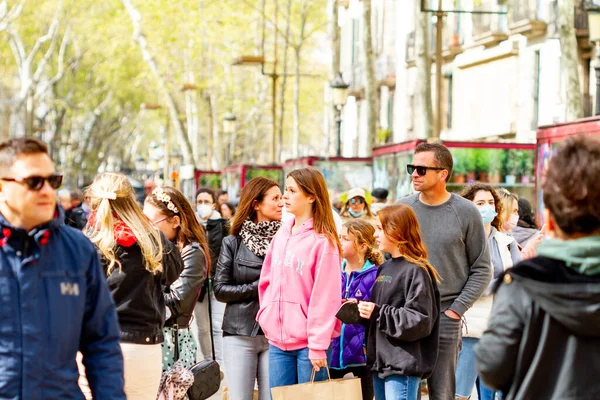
{"x":485,"y":23}
{"x":581,"y":17}
{"x":522,"y":10}
{"x":385,"y":68}
{"x":357,"y":79}
{"x":411,"y":52}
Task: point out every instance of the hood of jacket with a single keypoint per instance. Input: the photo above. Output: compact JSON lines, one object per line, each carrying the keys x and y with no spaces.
{"x":41,"y":233}
{"x":581,"y":255}
{"x":307,"y":226}
{"x":522,"y":234}
{"x":571,"y":299}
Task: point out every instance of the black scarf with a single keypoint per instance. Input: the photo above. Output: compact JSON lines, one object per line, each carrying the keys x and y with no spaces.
{"x":258,"y":237}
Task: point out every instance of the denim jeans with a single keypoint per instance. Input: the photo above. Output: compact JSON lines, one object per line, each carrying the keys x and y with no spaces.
{"x":291,"y":367}
{"x":466,"y":375}
{"x":247,"y":361}
{"x":396,"y":387}
{"x":442,"y":382}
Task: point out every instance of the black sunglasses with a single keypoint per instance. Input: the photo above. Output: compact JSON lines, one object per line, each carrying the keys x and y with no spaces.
{"x":37,"y":182}
{"x":355,"y":200}
{"x":421,"y":171}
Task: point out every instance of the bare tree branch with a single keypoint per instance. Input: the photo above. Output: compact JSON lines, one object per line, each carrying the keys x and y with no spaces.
{"x":6,"y":16}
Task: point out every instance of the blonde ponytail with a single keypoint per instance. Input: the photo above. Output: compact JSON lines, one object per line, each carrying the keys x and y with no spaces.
{"x":112,"y":200}
{"x":363,"y":235}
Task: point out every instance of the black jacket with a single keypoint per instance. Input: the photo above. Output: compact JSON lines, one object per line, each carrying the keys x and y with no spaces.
{"x":403,"y":333}
{"x":543,"y":337}
{"x":236,"y":283}
{"x":181,"y":296}
{"x":138,"y":294}
{"x":216,"y":230}
{"x":76,"y":217}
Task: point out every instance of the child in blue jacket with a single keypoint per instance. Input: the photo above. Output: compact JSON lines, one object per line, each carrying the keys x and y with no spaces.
{"x":359,"y":271}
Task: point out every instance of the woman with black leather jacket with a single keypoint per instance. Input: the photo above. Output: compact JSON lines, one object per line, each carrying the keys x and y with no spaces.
{"x":169,"y":211}
{"x":245,"y":348}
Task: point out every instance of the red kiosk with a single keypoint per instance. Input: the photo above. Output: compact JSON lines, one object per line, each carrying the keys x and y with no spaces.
{"x":235,"y":177}
{"x":190,"y":179}
{"x":549,"y":138}
{"x":509,"y":165}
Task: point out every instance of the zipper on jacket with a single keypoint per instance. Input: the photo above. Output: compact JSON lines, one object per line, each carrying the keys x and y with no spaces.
{"x":282,"y":266}
{"x":342,"y":346}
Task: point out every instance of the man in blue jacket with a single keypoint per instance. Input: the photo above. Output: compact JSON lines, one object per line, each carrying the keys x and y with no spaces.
{"x":54,"y":300}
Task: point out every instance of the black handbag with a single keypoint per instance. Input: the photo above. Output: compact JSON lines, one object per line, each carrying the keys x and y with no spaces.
{"x":207,"y":373}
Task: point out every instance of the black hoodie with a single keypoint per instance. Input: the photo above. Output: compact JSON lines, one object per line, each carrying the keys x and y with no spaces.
{"x":543,"y":337}
{"x":403,"y":333}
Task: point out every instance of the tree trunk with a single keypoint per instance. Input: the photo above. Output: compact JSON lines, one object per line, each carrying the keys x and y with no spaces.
{"x":371,"y":84}
{"x":298,"y":59}
{"x":569,"y":60}
{"x":296,"y":131}
{"x":334,"y":38}
{"x":140,"y":39}
{"x":422,"y":108}
{"x":284,"y":80}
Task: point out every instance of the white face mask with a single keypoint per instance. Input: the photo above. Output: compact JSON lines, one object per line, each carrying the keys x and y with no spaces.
{"x":512,"y":222}
{"x":204,"y":210}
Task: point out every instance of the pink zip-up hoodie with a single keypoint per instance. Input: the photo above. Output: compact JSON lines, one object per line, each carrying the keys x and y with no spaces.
{"x":299,"y":291}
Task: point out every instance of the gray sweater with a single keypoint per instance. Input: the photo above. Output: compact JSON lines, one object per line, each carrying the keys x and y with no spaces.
{"x":455,"y":238}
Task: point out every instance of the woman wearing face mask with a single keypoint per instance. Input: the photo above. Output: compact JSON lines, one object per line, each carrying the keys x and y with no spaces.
{"x":504,"y":253}
{"x":510,"y":205}
{"x":216,"y":229}
{"x":356,"y":205}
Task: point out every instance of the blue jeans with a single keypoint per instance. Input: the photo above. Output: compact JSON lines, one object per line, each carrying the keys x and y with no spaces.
{"x":396,"y":387}
{"x":292,"y":367}
{"x":466,"y":375}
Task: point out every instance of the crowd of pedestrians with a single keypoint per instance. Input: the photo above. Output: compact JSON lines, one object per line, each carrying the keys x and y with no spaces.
{"x":452,"y":290}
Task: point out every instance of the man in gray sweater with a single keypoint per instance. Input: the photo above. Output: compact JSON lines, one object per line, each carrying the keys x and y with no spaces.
{"x":453,"y":232}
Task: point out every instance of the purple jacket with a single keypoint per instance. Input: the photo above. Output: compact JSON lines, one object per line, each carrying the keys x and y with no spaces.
{"x":348,"y":349}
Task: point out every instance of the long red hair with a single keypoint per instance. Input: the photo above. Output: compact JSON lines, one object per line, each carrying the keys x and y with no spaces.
{"x":312,"y":183}
{"x":400,"y":224}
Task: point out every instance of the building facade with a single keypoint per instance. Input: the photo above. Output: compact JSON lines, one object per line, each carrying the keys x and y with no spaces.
{"x":501,"y":72}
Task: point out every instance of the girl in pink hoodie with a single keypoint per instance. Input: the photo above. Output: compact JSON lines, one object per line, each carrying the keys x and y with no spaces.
{"x":299,"y":288}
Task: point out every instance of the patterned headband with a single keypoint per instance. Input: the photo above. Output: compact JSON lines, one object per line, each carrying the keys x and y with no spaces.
{"x":160,"y":195}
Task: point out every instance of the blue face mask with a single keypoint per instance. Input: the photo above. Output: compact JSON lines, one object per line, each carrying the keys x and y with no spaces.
{"x":487,"y":214}
{"x":356,"y":214}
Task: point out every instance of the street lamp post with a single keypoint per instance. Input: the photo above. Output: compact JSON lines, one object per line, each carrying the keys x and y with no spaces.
{"x":340,"y":95}
{"x":229,"y":129}
{"x":594,"y":37}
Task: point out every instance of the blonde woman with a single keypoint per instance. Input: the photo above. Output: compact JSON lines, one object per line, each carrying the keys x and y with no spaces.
{"x":510,"y":216}
{"x":138,"y":261}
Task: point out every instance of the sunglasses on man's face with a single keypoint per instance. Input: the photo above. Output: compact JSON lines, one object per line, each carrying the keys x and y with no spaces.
{"x":357,"y":201}
{"x":421,"y":170}
{"x":36,"y":182}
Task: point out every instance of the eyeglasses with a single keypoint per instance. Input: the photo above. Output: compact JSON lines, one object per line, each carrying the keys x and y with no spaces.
{"x":159,"y":221}
{"x":36,"y":182}
{"x":421,"y":170}
{"x":357,"y":200}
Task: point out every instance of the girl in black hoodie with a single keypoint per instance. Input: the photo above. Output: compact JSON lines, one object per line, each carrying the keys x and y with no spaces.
{"x":403,"y":329}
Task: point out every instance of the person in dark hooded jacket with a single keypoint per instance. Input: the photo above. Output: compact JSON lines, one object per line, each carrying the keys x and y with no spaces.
{"x":543,"y":336}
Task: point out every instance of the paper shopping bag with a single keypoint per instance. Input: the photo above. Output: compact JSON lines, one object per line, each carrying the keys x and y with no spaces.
{"x":333,"y":389}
